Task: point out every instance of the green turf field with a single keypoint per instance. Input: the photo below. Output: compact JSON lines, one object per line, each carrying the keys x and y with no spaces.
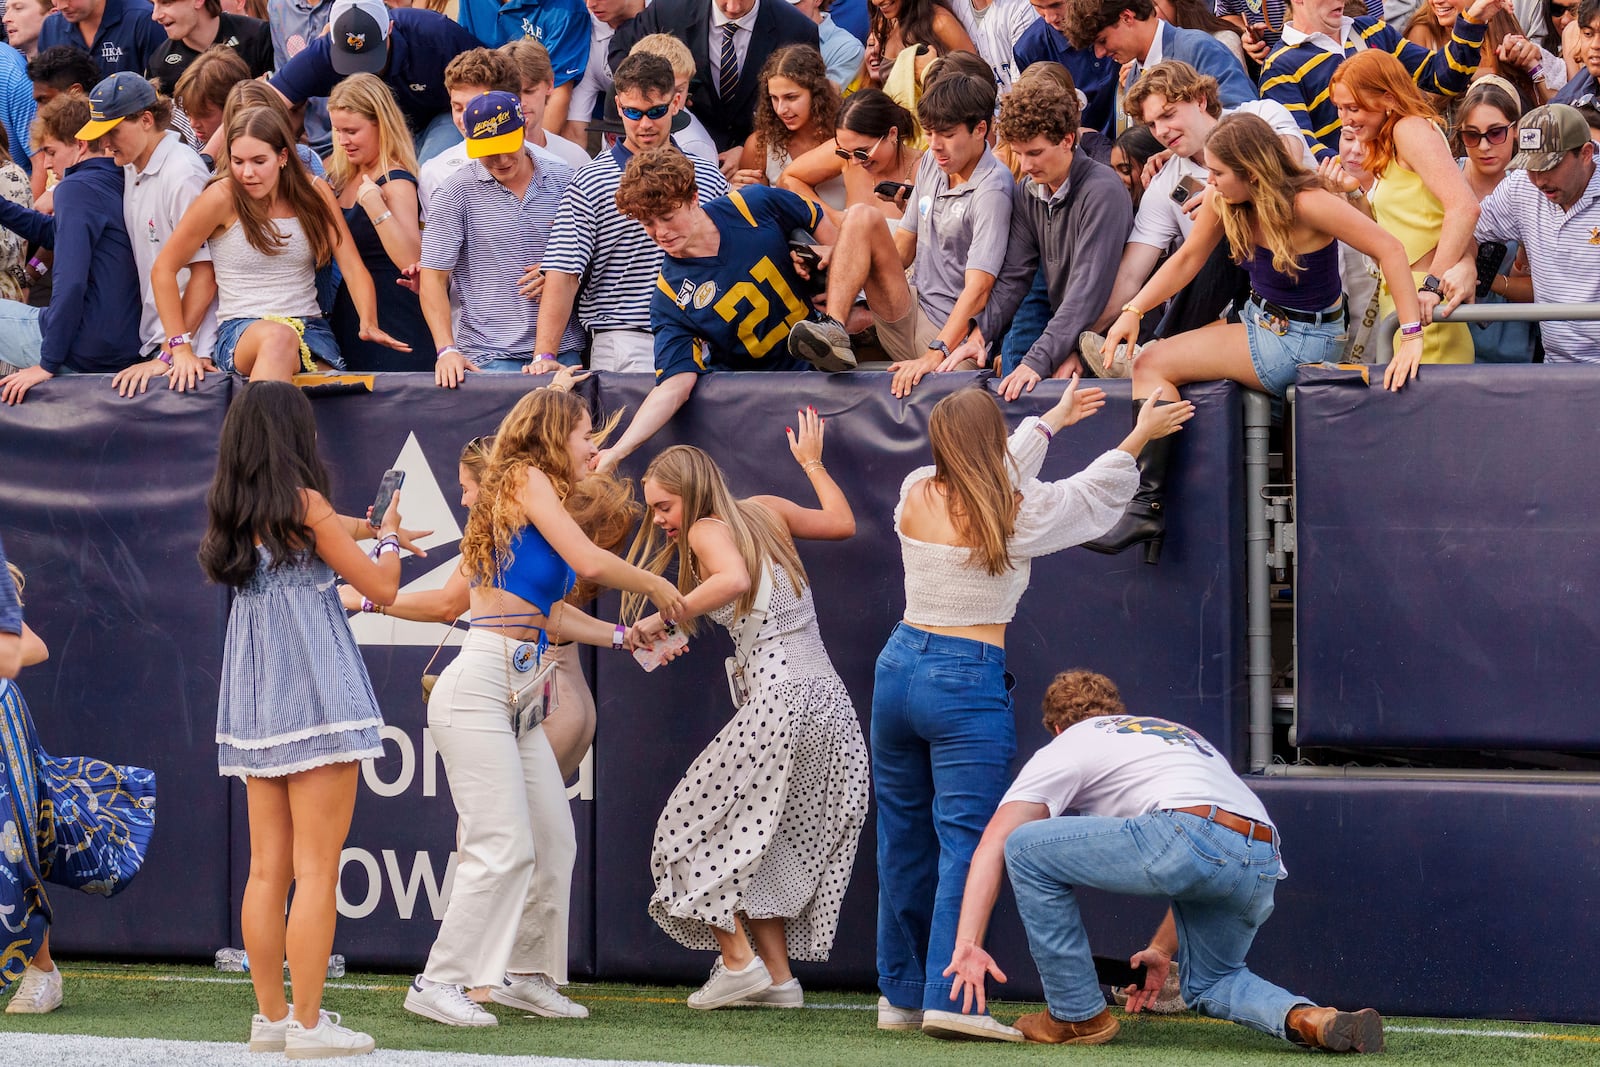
{"x":652,"y":1023}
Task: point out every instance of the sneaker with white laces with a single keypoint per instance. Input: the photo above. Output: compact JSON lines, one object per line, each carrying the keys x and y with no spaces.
{"x":538,"y":994}
{"x":823,"y":343}
{"x":893,"y":1018}
{"x":954,"y":1026}
{"x":780,"y":995}
{"x":325,"y":1041}
{"x":38,"y":992}
{"x":448,"y":1004}
{"x":266,"y":1035}
{"x":724,"y":987}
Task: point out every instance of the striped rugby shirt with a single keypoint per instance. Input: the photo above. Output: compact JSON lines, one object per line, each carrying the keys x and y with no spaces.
{"x":1299,"y":72}
{"x":486,"y":237}
{"x":611,"y":253}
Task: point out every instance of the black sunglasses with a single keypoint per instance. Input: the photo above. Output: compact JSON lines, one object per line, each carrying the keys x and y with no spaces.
{"x":860,"y":155}
{"x":1494,"y":135}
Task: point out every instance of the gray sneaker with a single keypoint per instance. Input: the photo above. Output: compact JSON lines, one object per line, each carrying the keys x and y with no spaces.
{"x":1090,"y":345}
{"x":825,"y":344}
{"x":725,"y":987}
{"x":787,"y":995}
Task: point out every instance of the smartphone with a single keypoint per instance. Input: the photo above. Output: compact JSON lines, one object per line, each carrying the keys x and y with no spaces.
{"x":387,"y":488}
{"x":654,"y":656}
{"x":1113,"y":972}
{"x":806,"y":253}
{"x":890,"y":190}
{"x":1491,"y":257}
{"x":1185,"y":190}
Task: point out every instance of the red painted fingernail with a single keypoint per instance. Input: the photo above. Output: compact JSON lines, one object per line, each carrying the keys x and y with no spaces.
{"x":789,"y":428}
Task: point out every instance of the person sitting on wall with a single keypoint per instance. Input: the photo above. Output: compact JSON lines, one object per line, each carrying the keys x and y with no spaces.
{"x":1159,"y":813}
{"x":728,"y":293}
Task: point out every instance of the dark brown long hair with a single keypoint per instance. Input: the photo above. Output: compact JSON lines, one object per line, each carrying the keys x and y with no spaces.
{"x":802,"y":65}
{"x":296,"y":187}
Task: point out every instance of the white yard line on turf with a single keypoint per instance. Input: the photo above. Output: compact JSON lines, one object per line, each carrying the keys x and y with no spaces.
{"x":152,"y":1052}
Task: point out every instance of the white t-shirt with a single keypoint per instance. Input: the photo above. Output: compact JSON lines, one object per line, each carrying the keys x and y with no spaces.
{"x":1125,"y":766}
{"x":1162,"y":223}
{"x":569,"y":152}
{"x":695,"y":140}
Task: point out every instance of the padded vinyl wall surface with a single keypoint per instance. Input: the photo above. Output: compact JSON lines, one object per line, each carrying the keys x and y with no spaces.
{"x":1447,"y":579}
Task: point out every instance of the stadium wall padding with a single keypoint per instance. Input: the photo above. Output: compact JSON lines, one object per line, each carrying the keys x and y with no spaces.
{"x":1408,"y":896}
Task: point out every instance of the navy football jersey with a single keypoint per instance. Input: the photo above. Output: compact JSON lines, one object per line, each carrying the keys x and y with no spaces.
{"x":734,"y":311}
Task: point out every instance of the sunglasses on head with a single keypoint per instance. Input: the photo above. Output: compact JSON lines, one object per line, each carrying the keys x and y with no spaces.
{"x":1494,"y":135}
{"x":860,"y":155}
{"x":634,"y":114}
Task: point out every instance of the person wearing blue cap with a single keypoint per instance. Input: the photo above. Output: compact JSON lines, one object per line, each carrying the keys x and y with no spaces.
{"x":488,"y":224}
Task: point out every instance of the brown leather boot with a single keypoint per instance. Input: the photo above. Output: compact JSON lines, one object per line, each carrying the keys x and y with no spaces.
{"x":1046,"y":1029}
{"x":1335,"y":1030}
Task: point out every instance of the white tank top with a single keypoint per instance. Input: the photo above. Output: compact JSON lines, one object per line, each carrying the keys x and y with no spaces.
{"x":251,"y":285}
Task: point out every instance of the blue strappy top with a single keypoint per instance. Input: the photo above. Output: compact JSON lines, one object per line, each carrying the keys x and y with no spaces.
{"x":536,"y":572}
{"x":1319,"y":285}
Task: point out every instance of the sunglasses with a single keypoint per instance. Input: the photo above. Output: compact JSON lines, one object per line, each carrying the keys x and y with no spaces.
{"x":860,"y":155}
{"x":1494,"y":135}
{"x":634,"y":114}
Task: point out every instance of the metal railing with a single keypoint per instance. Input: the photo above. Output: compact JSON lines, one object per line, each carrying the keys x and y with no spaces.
{"x":1384,"y":331}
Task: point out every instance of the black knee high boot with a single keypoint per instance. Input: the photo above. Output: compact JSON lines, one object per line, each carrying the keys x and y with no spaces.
{"x":1145,"y":521}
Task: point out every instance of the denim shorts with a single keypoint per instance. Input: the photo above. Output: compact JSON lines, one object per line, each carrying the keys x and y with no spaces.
{"x":1278,"y":357}
{"x":318,"y":337}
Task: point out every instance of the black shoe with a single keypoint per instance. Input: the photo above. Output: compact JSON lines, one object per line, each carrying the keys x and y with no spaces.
{"x":1145,"y":521}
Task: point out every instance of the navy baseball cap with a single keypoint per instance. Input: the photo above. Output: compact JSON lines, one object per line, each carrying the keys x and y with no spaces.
{"x":113,"y":100}
{"x":359,"y":36}
{"x":494,"y":125}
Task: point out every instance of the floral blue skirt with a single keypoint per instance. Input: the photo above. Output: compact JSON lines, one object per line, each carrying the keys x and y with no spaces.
{"x":75,"y":821}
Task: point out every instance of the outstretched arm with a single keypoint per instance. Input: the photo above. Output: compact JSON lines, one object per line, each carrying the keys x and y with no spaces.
{"x":971,"y":964}
{"x":833,"y":521}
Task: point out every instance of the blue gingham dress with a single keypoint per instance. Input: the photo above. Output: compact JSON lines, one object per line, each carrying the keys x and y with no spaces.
{"x":295,"y":693}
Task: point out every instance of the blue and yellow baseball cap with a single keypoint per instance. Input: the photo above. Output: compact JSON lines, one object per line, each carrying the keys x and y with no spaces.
{"x":494,"y":125}
{"x":113,"y":100}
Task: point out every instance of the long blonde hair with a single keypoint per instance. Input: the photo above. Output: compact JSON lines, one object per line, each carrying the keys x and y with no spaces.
{"x":367,"y":96}
{"x":533,"y":434}
{"x":1246,"y":145}
{"x":973,"y":466}
{"x":761,"y":537}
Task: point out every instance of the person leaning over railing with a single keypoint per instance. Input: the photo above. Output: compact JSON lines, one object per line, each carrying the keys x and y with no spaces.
{"x":1551,"y":206}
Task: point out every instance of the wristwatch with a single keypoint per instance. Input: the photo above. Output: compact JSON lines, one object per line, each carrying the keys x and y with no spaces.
{"x":1431,"y":284}
{"x":938,"y":345}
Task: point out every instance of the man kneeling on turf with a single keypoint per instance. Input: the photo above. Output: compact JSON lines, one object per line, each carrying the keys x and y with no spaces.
{"x":1159,"y":808}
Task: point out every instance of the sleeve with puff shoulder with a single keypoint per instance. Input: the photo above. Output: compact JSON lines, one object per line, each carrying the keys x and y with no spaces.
{"x":1058,"y":515}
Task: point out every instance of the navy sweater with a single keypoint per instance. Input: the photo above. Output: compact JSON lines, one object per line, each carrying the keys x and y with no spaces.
{"x":92,"y":323}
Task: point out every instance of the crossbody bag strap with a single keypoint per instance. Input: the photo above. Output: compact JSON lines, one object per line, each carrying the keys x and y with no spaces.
{"x":750,"y":625}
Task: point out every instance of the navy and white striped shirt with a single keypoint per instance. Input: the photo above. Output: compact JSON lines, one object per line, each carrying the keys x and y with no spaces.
{"x":486,"y":237}
{"x":611,"y":253}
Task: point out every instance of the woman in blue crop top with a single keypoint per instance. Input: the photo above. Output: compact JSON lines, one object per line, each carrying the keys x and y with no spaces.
{"x":506,"y":924}
{"x":1280,"y":222}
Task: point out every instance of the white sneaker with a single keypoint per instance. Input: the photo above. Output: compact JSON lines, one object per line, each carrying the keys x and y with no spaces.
{"x":785,"y":995}
{"x":326,"y":1040}
{"x":38,"y":992}
{"x":538,"y":994}
{"x":266,"y":1035}
{"x":724,"y":987}
{"x":448,"y":1004}
{"x":893,"y":1018}
{"x":954,"y":1026}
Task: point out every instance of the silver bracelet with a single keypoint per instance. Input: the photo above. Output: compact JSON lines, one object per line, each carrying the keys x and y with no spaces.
{"x":381,"y":219}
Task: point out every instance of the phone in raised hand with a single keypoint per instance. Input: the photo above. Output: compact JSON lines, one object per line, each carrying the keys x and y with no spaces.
{"x":388,"y":486}
{"x":655,"y":655}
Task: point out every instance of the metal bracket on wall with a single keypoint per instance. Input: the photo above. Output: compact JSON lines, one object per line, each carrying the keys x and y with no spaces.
{"x":1279,"y":502}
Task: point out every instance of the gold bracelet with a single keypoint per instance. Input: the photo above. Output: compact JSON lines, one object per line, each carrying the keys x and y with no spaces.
{"x":1129,"y":307}
{"x":813,"y":465}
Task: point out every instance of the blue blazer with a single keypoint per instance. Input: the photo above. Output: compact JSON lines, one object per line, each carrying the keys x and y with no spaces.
{"x":1210,"y":56}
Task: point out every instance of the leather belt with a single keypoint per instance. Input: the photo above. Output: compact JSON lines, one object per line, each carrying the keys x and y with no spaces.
{"x":1256,"y":831}
{"x":1296,"y":315}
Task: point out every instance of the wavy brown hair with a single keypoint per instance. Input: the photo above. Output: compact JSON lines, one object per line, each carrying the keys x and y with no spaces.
{"x":1246,"y":145}
{"x":974,"y":468}
{"x":1370,"y":76}
{"x":533,"y":434}
{"x":296,"y":188}
{"x":803,"y":65}
{"x":367,"y":96}
{"x":761,"y":536}
{"x":1077,"y":695}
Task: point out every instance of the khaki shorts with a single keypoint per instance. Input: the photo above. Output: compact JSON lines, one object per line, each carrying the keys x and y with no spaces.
{"x":907,"y":337}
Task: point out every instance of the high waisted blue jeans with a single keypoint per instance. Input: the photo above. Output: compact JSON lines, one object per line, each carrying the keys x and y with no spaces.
{"x":942,"y":743}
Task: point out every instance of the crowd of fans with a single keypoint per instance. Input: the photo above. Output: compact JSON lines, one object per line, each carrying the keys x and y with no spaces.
{"x":689,"y":186}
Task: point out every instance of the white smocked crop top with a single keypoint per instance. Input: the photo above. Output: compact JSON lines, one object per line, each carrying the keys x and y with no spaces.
{"x":945,"y":587}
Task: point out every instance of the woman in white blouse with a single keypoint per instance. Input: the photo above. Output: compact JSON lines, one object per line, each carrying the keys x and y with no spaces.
{"x":943,"y":736}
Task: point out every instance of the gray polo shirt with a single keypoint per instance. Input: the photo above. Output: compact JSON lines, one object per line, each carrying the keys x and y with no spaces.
{"x":957,"y":230}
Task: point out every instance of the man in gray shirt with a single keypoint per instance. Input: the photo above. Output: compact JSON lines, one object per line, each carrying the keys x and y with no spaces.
{"x":953,"y":236}
{"x":1069,"y":212}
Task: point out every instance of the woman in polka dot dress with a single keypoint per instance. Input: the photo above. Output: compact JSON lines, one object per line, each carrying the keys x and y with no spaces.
{"x":754,"y":848}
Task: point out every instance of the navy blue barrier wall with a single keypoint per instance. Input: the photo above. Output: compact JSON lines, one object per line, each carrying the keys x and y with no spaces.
{"x":102,"y":504}
{"x":1170,"y":634}
{"x":1446,"y":592}
{"x":1454,"y":899}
